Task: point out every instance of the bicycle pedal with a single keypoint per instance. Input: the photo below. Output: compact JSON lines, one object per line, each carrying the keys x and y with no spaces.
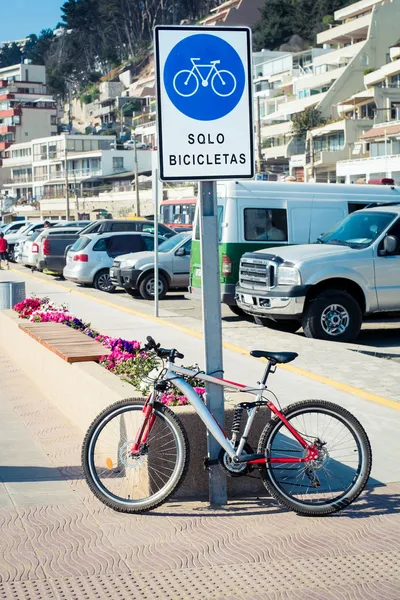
{"x":210,"y":462}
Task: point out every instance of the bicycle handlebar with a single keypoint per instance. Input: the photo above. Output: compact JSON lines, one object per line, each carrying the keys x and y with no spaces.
{"x":162,"y":352}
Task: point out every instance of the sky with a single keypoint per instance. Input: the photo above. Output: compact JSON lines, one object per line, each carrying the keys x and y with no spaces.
{"x":19,"y":18}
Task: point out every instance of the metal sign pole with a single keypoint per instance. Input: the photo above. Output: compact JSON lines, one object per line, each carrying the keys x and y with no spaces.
{"x":212,"y":327}
{"x":156,"y":277}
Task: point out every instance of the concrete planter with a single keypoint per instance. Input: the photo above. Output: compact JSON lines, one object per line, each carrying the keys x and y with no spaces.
{"x":82,"y":390}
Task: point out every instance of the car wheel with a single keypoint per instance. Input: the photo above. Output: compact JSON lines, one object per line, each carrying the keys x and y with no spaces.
{"x":287,"y":326}
{"x":102,"y":282}
{"x":146,"y":287}
{"x":333,"y":315}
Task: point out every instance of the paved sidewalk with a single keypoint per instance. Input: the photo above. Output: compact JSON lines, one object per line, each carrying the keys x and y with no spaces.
{"x":65,"y":544}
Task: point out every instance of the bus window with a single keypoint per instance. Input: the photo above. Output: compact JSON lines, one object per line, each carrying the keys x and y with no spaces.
{"x":181,"y":213}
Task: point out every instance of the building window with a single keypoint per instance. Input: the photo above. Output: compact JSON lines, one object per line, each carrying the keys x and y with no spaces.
{"x":395,"y":80}
{"x":118,"y":163}
{"x":263,"y":224}
{"x":53,"y":119}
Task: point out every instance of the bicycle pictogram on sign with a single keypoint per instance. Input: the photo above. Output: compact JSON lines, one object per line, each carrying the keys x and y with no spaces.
{"x":204,"y":77}
{"x":187,"y":82}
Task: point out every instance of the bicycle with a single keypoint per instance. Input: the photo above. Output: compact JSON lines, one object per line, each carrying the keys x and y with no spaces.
{"x":192,"y":78}
{"x":314,"y":456}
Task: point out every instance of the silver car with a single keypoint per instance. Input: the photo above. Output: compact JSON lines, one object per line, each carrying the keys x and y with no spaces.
{"x":136,"y":271}
{"x":90,"y":258}
{"x":30,"y":250}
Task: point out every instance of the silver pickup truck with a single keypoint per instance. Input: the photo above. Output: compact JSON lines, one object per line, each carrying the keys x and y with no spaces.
{"x":328,"y":287}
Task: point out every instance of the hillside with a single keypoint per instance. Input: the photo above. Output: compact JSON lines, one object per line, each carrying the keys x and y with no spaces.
{"x":96,"y":36}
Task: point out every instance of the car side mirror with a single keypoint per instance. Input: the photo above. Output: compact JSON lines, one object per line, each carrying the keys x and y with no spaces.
{"x":180,"y":252}
{"x":390,"y":244}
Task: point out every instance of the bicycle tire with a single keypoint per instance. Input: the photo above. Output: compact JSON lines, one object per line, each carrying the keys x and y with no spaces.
{"x":363,"y":471}
{"x":190,"y":74}
{"x":214,"y":79}
{"x":89,"y":445}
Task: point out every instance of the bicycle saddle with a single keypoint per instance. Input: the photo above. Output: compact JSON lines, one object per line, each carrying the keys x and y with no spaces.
{"x":277,"y":357}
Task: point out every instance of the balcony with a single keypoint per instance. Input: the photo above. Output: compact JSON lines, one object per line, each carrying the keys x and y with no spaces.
{"x":355,"y":9}
{"x":4,"y":129}
{"x":19,"y":179}
{"x":370,"y":166}
{"x":354,"y":29}
{"x":146,"y":128}
{"x":328,"y":158}
{"x":11,"y":112}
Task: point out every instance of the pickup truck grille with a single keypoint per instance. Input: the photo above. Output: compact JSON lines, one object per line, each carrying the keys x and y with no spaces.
{"x":257,"y":274}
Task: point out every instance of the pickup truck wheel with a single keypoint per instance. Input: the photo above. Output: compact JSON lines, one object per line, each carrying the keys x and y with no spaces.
{"x":146,"y":287}
{"x":333,"y":315}
{"x":102,"y":281}
{"x":288,"y":326}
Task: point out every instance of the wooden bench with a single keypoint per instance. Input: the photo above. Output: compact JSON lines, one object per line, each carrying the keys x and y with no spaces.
{"x":69,"y":344}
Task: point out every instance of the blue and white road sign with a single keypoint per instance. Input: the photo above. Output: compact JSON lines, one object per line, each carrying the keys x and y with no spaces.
{"x":204,"y":102}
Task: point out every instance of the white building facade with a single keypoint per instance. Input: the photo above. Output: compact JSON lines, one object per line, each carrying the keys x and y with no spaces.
{"x":43,"y":168}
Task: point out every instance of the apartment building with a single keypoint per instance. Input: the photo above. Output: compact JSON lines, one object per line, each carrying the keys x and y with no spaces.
{"x":359,"y":43}
{"x":43,"y":168}
{"x":376,"y":153}
{"x":363,"y":39}
{"x":274,"y":82}
{"x":27,"y":111}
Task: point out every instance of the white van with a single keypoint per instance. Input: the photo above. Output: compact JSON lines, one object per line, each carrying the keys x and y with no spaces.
{"x":262,"y":214}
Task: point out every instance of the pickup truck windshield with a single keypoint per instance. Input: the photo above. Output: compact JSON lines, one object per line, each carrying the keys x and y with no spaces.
{"x":358,"y":230}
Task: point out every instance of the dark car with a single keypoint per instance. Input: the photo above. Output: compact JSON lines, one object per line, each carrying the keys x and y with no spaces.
{"x":120,"y":225}
{"x":54,"y":246}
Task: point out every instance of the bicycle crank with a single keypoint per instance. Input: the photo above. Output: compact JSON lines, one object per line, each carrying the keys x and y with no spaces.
{"x":235,"y":469}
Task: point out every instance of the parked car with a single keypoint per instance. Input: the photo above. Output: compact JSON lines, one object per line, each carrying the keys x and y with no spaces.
{"x":327,"y":287}
{"x":20,"y":245}
{"x":90,"y":258}
{"x":53,"y":245}
{"x":130,"y":145}
{"x":136,"y":271}
{"x":108,"y":225}
{"x":80,"y":224}
{"x":13,"y":227}
{"x":30,"y":250}
{"x":21,"y":236}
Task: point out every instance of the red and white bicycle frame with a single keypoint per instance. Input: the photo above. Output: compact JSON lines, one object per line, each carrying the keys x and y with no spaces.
{"x":234,"y":452}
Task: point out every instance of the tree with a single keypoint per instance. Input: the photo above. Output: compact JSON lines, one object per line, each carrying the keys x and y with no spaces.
{"x":276,"y":24}
{"x":305,"y":121}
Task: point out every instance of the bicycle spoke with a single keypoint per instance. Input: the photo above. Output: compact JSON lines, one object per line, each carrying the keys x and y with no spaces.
{"x":322,"y":480}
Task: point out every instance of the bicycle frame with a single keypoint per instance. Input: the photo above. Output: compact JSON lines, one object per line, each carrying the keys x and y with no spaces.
{"x":172,"y":374}
{"x":195,"y":68}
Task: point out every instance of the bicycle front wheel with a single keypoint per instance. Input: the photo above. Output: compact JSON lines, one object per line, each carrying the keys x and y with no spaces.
{"x":186,"y":83}
{"x":137,"y":482}
{"x":336,"y":478}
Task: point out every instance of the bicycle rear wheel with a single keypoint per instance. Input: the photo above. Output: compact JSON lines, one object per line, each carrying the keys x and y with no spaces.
{"x":127,"y":482}
{"x":336,"y":478}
